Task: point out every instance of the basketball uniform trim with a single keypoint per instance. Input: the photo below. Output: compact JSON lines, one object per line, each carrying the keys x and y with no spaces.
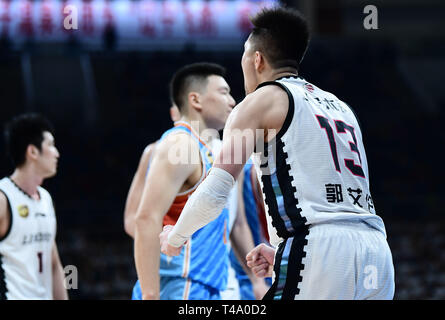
{"x":3,"y":288}
{"x":10,"y":218}
{"x":294,"y":277}
{"x":258,"y":202}
{"x":272,"y":204}
{"x":23,"y":191}
{"x":288,"y":191}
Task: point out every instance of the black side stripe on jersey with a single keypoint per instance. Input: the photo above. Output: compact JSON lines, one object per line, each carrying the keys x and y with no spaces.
{"x":277,"y":269}
{"x":295,"y":266}
{"x":3,"y":289}
{"x":271,"y":201}
{"x":288,"y":190}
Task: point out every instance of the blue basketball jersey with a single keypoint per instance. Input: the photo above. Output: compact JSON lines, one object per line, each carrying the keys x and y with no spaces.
{"x":204,"y":257}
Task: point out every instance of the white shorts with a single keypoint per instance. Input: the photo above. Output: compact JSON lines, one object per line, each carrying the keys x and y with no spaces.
{"x":348,"y":261}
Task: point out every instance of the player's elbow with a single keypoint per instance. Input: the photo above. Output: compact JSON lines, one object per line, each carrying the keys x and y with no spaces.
{"x":129,"y":225}
{"x":144,"y":219}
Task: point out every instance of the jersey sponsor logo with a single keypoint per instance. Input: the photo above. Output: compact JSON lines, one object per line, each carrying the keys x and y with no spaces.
{"x":40,"y":214}
{"x":23,"y":210}
{"x":309,"y":87}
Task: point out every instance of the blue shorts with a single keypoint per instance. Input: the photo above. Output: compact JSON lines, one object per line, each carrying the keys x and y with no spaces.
{"x":177,"y":288}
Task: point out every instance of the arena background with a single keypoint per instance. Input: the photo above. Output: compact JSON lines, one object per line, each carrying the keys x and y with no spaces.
{"x":108,"y":99}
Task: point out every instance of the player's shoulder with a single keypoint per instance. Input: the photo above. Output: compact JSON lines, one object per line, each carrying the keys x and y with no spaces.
{"x":149,"y":148}
{"x":3,"y":198}
{"x":267,"y":92}
{"x":176,"y":142}
{"x":148,"y":152}
{"x":3,"y":204}
{"x":260,"y":101}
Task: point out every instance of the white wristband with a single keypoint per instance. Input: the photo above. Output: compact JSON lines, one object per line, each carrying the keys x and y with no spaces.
{"x":205,"y":205}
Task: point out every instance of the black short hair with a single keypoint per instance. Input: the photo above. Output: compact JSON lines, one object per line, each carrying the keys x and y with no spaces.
{"x":192,"y":74}
{"x":22,"y":131}
{"x":282,"y":34}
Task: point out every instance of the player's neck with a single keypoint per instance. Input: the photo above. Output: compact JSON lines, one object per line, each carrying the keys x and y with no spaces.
{"x":198,"y":125}
{"x":27,"y":180}
{"x":274,"y":74}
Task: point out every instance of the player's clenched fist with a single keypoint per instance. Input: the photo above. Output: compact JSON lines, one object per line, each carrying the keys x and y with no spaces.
{"x":260,"y":260}
{"x":165,"y":247}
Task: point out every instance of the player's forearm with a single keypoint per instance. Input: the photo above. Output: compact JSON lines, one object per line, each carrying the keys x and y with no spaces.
{"x":205,"y":205}
{"x":59,"y":290}
{"x":147,"y":256}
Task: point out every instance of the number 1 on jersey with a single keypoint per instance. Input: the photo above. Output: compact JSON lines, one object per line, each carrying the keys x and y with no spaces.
{"x":342,"y":128}
{"x":39,"y":256}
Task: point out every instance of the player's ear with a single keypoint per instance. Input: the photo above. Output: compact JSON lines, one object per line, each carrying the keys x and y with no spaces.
{"x":259,"y":61}
{"x":32,"y":152}
{"x":194,"y":100}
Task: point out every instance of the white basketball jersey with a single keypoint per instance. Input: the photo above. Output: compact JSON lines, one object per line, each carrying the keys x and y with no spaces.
{"x":315,"y":170}
{"x":25,"y":251}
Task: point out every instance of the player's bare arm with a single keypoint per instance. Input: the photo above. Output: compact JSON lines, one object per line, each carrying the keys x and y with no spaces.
{"x":242,"y":243}
{"x":59,"y":290}
{"x":4,"y":215}
{"x":135,"y":192}
{"x":264,"y":109}
{"x":164,"y":181}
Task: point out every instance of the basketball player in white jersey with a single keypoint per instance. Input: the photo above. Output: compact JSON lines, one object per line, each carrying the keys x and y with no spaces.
{"x":30,"y":266}
{"x":328,"y":243}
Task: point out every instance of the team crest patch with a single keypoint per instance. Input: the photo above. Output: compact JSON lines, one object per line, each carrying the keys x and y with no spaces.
{"x":23,"y":210}
{"x":209,"y":157}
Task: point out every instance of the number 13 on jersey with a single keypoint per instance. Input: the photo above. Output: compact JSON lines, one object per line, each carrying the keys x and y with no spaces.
{"x":342,"y":127}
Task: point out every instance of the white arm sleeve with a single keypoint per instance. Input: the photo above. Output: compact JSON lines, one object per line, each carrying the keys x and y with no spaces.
{"x":204,"y":206}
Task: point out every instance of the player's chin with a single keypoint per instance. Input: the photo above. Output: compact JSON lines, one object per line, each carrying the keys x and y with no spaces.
{"x":51,"y":173}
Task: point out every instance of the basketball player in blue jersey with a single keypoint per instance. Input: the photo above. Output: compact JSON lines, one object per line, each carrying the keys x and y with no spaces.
{"x":241,"y":243}
{"x":200,"y":272}
{"x":30,"y":267}
{"x":327,"y":241}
